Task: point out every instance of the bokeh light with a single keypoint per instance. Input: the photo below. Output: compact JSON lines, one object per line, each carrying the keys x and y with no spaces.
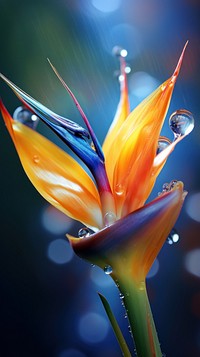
{"x":55,"y":221}
{"x":193,"y":206}
{"x":59,"y":251}
{"x":93,"y":328}
{"x":192,"y":262}
{"x":142,"y":84}
{"x":105,"y":5}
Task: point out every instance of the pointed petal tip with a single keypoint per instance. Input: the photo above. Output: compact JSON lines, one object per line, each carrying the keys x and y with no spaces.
{"x":178,"y":67}
{"x":72,"y":240}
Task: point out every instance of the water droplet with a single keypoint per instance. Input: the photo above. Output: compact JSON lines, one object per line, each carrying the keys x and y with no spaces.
{"x":121,"y":296}
{"x":119,"y":189}
{"x":173,"y":237}
{"x":163,"y":143}
{"x":173,"y":183}
{"x":166,"y":187}
{"x":181,"y":123}
{"x":36,"y":159}
{"x":119,"y":51}
{"x":84,"y":232}
{"x":109,"y":219}
{"x":130,"y":330}
{"x":25,"y":116}
{"x":108,"y":270}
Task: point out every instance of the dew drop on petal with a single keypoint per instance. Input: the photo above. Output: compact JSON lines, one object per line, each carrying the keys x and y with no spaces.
{"x":36,"y":159}
{"x":109,"y":219}
{"x":181,"y":122}
{"x":119,"y":189}
{"x":173,"y":183}
{"x":84,"y":232}
{"x":166,"y":187}
{"x":163,"y":143}
{"x":26,"y":117}
{"x":173,"y":237}
{"x":108,"y":270}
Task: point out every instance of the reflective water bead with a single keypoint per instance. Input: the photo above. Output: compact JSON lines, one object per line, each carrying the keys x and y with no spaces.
{"x":36,"y":159}
{"x":25,"y":116}
{"x":119,"y":189}
{"x":173,"y":183}
{"x":173,"y":237}
{"x":121,"y":296}
{"x":163,"y":143}
{"x":109,"y":219}
{"x":181,"y":122}
{"x":108,"y":270}
{"x":166,"y":187}
{"x":84,"y":232}
{"x":119,"y":51}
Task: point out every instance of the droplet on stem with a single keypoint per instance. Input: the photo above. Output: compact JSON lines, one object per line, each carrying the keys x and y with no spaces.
{"x":181,"y":122}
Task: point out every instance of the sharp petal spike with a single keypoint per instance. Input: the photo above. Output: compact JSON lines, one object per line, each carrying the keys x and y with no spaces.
{"x":39,"y":109}
{"x":178,"y":67}
{"x":93,"y":136}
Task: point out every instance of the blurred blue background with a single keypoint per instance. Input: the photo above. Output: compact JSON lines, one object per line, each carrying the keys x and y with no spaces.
{"x":49,"y":303}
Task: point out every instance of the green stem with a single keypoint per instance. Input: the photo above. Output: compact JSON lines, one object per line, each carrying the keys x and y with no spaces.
{"x":140,"y":318}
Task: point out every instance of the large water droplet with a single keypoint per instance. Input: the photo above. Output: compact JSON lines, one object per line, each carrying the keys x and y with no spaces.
{"x":181,"y":123}
{"x":25,"y":116}
{"x":108,"y":270}
{"x":84,"y":232}
{"x":163,"y":143}
{"x":173,"y":237}
{"x":109,"y":219}
{"x":119,"y":51}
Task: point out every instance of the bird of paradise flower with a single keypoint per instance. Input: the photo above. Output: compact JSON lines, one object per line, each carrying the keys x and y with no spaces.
{"x":121,"y":233}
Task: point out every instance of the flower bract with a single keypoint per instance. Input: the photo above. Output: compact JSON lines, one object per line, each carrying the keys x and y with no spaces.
{"x":110,"y":199}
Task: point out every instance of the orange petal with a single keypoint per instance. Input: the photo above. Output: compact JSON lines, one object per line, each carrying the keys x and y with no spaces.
{"x":55,"y":174}
{"x":136,"y":145}
{"x":120,"y":116}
